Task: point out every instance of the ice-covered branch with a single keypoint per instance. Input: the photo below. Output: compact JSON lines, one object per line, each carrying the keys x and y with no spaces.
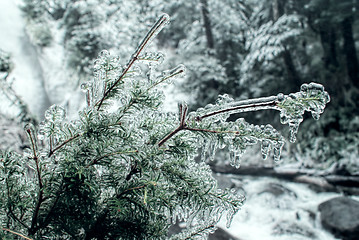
{"x":156,"y":28}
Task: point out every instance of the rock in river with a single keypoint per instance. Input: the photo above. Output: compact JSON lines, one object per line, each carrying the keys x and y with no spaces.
{"x":340,"y":216}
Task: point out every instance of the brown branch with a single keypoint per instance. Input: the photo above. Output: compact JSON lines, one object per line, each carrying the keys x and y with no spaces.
{"x":50,"y":212}
{"x":158,"y":25}
{"x":40,"y":198}
{"x":183,"y":109}
{"x":243,"y":107}
{"x":165,"y":139}
{"x":63,"y":144}
{"x":183,"y":115}
{"x":16,"y":233}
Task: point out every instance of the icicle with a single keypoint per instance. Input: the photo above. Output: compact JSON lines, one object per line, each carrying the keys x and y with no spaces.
{"x":277,"y":150}
{"x":235,"y":159}
{"x":265,"y":148}
{"x":230,"y":215}
{"x":213,"y":149}
{"x":293,"y":128}
{"x":205,"y":150}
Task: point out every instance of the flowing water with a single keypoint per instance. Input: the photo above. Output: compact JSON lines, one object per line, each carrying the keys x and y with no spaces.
{"x":278,"y":210}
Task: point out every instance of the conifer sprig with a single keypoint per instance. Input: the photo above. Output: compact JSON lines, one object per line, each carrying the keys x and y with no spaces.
{"x":156,"y":28}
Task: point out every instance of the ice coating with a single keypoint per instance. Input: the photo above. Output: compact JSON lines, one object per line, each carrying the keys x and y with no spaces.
{"x":235,"y":159}
{"x":239,"y":135}
{"x":311,"y":98}
{"x":163,"y":20}
{"x":169,"y":75}
{"x":55,"y":113}
{"x":153,"y":59}
{"x":52,"y":124}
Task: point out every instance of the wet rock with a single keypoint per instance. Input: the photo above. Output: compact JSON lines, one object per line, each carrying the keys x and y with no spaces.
{"x":221,"y":234}
{"x":341,"y":217}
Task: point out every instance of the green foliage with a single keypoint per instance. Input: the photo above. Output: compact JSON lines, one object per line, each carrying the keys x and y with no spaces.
{"x":125,"y":168}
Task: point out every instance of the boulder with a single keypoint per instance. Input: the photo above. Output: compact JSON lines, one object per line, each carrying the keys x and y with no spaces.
{"x":340,"y":216}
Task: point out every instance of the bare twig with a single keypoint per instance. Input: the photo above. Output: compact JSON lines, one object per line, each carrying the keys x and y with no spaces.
{"x":16,"y":233}
{"x":153,"y":31}
{"x":243,"y":107}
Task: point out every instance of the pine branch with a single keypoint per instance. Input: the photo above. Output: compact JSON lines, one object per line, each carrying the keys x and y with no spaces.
{"x":150,"y":35}
{"x":10,"y":209}
{"x":96,"y":160}
{"x":63,"y":144}
{"x":199,"y":231}
{"x":246,"y":107}
{"x":40,"y":198}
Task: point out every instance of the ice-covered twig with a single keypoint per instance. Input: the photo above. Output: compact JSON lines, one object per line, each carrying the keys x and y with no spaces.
{"x":156,"y":28}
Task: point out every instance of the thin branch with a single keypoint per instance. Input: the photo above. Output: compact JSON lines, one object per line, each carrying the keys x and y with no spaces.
{"x":40,"y":199}
{"x":243,"y":107}
{"x":95,"y":161}
{"x":153,"y":31}
{"x":63,"y":144}
{"x":209,"y":130}
{"x":165,"y":78}
{"x":183,"y":109}
{"x":131,"y":189}
{"x":16,"y":233}
{"x":165,"y":139}
{"x":50,"y":212}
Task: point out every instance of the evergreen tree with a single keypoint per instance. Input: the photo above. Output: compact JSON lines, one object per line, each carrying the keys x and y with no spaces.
{"x":125,"y":169}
